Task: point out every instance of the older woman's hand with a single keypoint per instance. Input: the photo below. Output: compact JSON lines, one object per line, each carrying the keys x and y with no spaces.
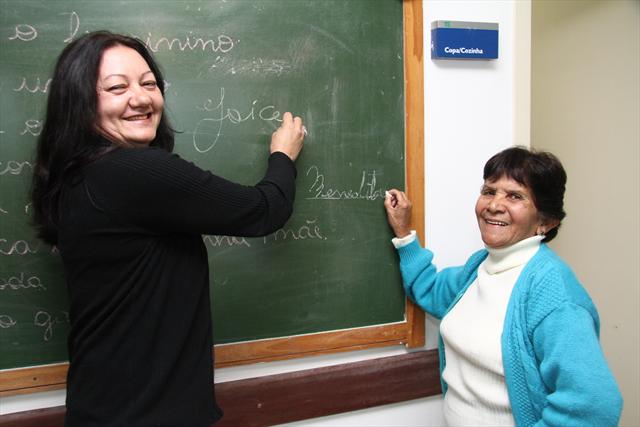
{"x":398,"y":208}
{"x":289,"y":136}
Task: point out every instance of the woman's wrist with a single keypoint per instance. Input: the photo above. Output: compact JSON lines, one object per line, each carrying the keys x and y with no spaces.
{"x":399,"y":242}
{"x":401,"y":234}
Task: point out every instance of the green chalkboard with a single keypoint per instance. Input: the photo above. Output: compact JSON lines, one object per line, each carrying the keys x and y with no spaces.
{"x":232,"y":68}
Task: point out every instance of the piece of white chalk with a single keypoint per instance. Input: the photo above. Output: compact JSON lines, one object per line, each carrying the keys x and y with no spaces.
{"x":304,"y":129}
{"x":387,"y":194}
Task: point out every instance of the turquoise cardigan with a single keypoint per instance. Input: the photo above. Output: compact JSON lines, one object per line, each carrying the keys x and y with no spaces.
{"x":555,"y":371}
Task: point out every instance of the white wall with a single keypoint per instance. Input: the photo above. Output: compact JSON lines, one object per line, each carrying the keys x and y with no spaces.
{"x":469,"y":116}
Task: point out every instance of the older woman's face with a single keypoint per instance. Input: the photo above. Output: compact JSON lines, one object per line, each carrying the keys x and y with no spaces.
{"x":506,"y":213}
{"x":129,"y":101}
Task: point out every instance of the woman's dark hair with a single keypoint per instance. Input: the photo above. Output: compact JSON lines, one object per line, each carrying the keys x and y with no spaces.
{"x":541,"y":172}
{"x":69,"y":139}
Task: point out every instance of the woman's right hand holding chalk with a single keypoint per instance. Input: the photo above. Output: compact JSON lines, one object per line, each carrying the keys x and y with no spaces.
{"x":289,"y":137}
{"x":398,"y":208}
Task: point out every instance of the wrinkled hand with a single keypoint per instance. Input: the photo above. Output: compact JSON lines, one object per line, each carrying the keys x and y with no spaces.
{"x":398,"y":208}
{"x":288,"y":138}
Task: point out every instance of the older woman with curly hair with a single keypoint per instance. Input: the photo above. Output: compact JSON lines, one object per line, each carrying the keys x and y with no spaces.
{"x":518,"y":332}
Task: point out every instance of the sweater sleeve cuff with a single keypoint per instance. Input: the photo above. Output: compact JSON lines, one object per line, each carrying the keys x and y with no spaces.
{"x":400,"y":242}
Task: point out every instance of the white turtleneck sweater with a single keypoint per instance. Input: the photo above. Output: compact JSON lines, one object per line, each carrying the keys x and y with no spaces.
{"x":472,"y":330}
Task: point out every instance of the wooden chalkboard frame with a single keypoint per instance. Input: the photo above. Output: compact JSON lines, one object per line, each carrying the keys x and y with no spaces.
{"x":409,"y":332}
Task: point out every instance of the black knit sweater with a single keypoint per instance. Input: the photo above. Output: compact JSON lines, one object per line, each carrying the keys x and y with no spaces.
{"x":136,"y":268}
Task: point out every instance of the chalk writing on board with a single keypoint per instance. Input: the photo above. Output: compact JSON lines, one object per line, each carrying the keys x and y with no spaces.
{"x":37,"y":86}
{"x":14,"y":167}
{"x":47,"y":321}
{"x":218,"y":241}
{"x":27,"y":207}
{"x":25,"y":33}
{"x":257,"y":66}
{"x":18,"y":247}
{"x":6,"y":321}
{"x":32,"y":127}
{"x":74,"y":25}
{"x":309,"y":230}
{"x":16,"y":283}
{"x":222,"y":43}
{"x":208,"y":130}
{"x":367,"y":190}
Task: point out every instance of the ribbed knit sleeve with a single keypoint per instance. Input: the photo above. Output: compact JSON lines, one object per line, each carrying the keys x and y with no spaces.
{"x":156,"y":190}
{"x":581,"y":389}
{"x":434,"y":291}
{"x":556,"y":372}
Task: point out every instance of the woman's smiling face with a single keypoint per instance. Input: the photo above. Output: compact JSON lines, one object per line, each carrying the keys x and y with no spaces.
{"x":129,"y":100}
{"x":506,"y":213}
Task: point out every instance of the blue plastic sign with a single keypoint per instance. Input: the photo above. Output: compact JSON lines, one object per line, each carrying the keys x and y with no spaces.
{"x":464,"y":40}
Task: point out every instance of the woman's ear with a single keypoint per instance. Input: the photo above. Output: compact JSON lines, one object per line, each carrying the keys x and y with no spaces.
{"x":546,"y":224}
